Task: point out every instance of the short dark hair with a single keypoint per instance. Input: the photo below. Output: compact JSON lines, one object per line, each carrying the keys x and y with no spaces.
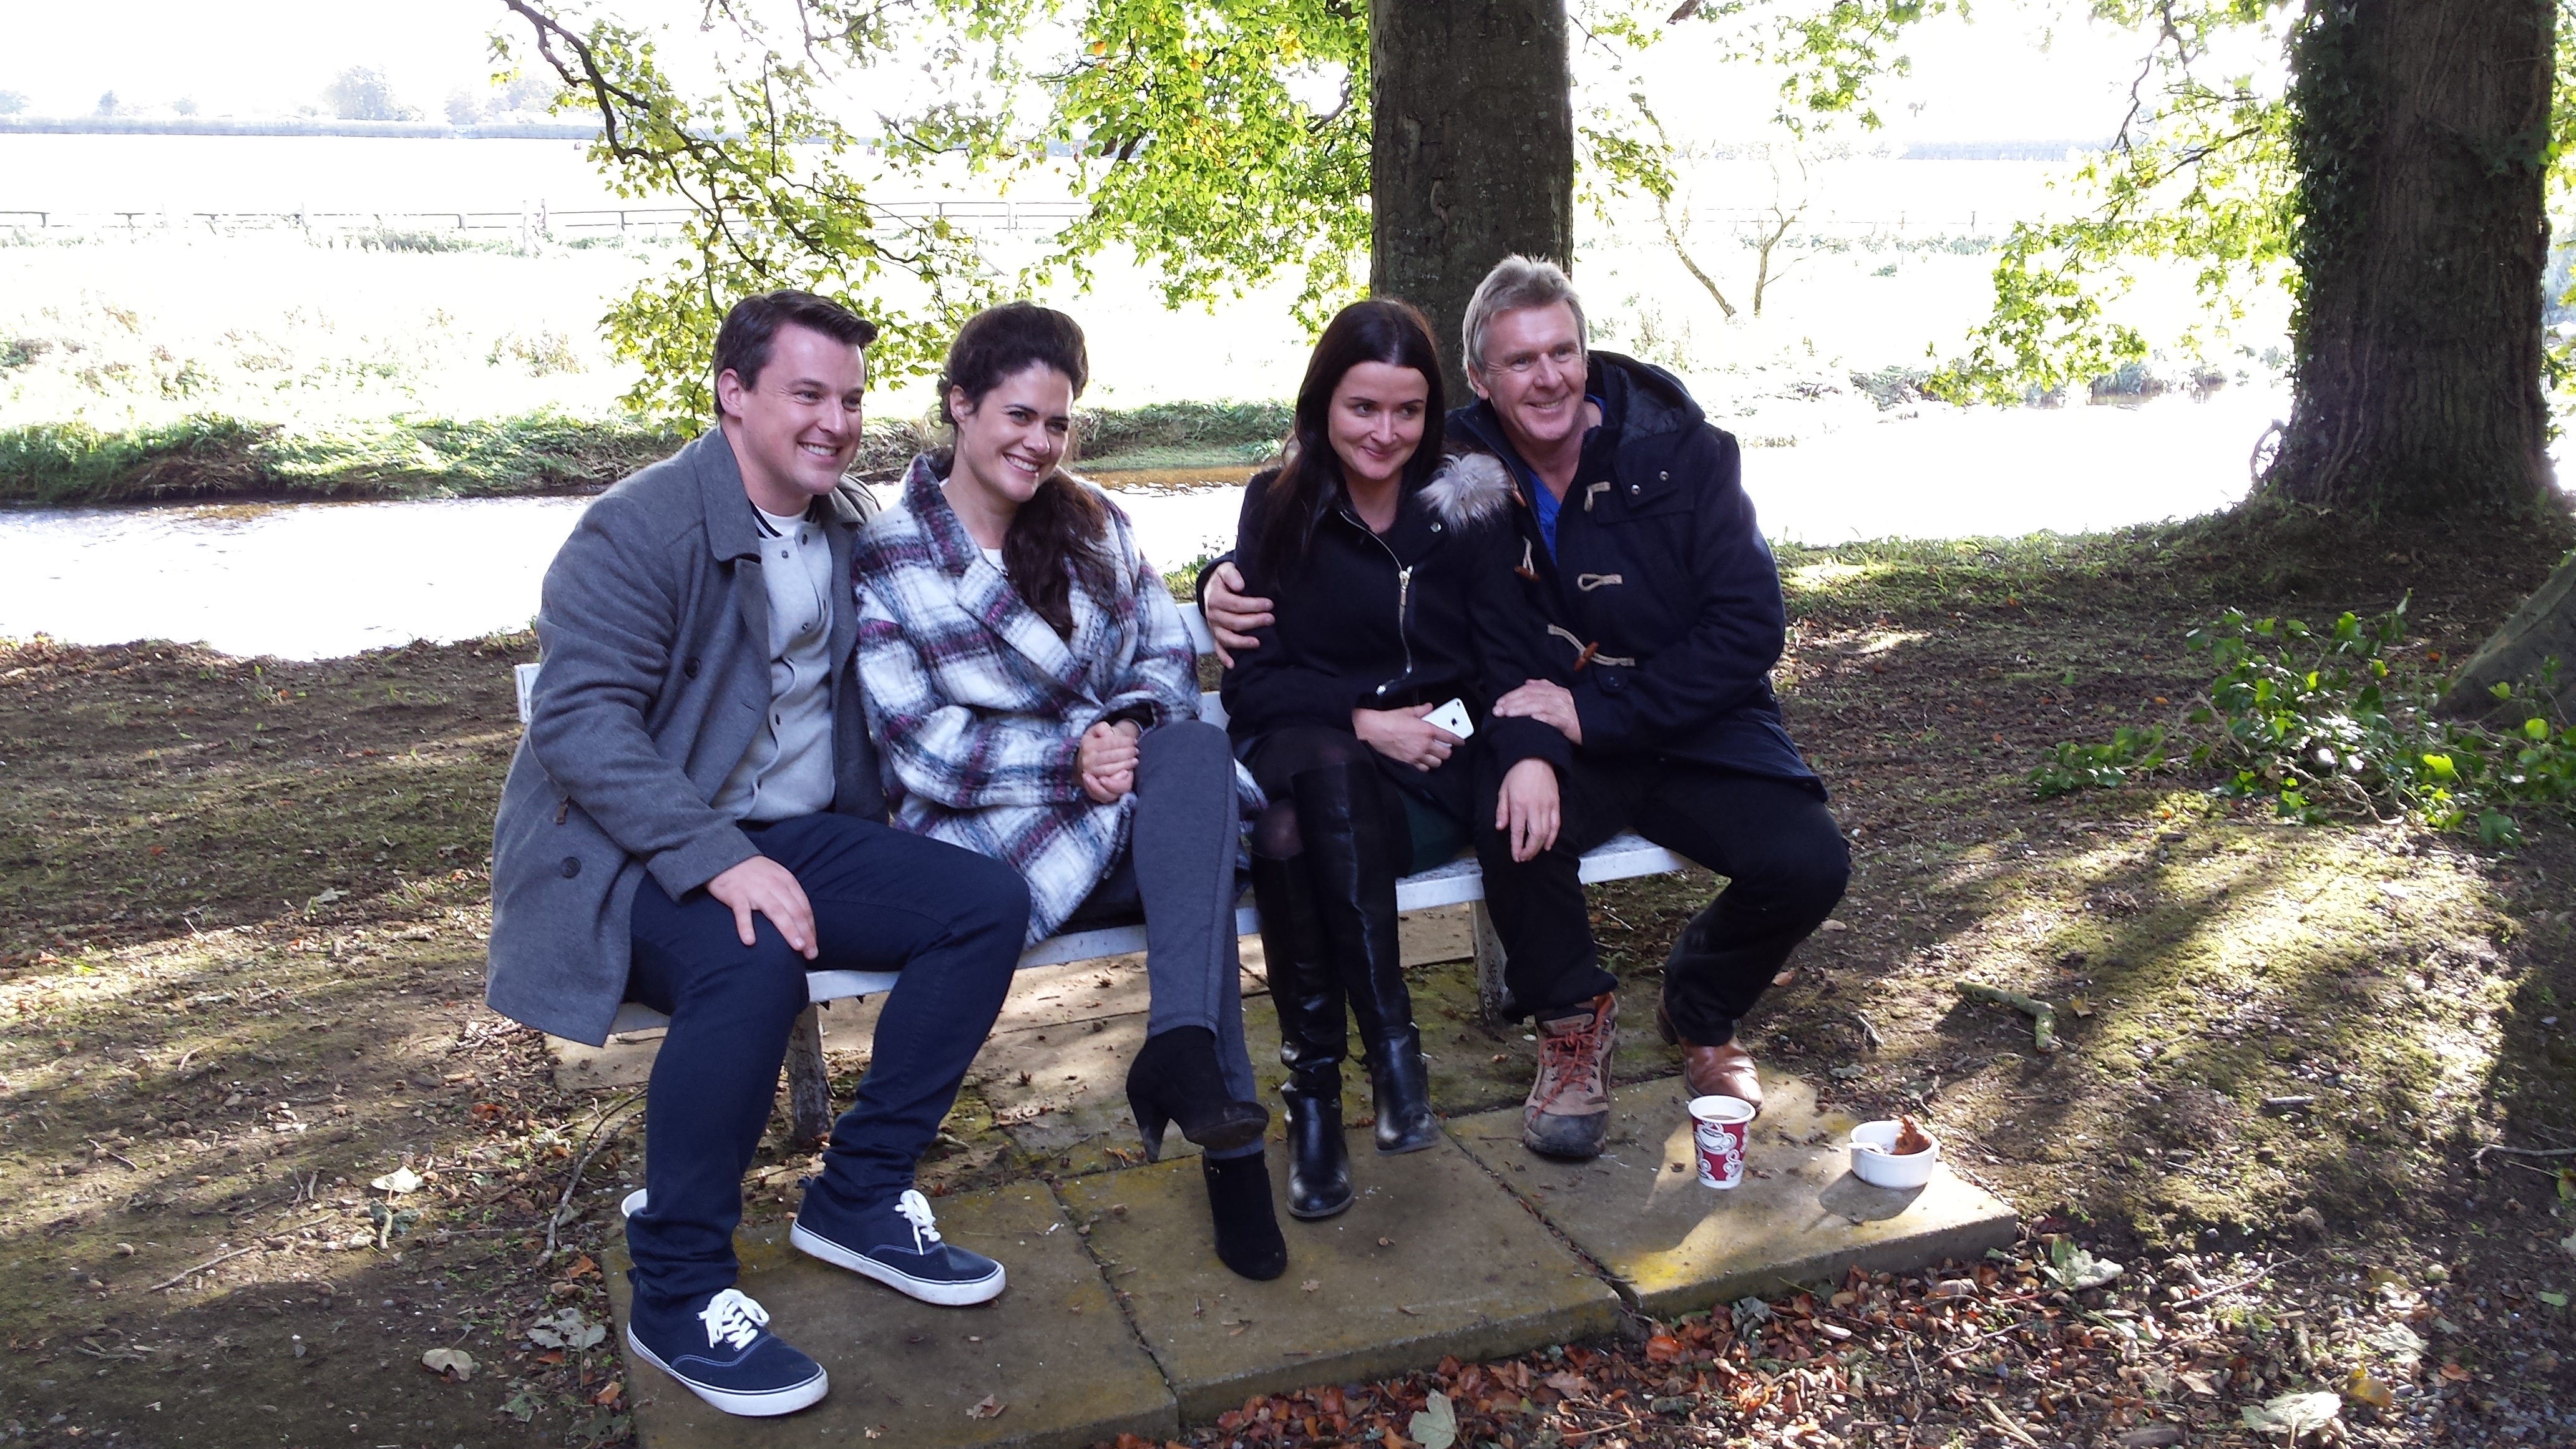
{"x":1000,"y":341}
{"x":743,"y":343}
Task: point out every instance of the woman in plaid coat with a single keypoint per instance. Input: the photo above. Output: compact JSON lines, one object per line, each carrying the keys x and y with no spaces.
{"x":1034,"y":698}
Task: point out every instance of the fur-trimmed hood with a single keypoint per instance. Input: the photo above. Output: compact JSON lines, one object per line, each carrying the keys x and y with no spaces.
{"x":1468,"y":488}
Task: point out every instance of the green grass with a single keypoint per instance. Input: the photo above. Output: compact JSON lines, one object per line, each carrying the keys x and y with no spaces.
{"x":209,"y":455}
{"x":201,"y":457}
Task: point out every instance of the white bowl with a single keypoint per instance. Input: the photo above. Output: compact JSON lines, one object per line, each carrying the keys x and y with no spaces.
{"x":1872,"y":1163}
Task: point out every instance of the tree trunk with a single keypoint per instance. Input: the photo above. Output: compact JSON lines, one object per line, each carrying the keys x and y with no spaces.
{"x":2421,"y":128}
{"x":1472,"y":155}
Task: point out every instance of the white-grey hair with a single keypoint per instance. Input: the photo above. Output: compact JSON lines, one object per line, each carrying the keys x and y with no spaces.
{"x":1516,"y":282}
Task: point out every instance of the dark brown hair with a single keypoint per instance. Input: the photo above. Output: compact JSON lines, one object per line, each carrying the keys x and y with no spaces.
{"x":1381,"y":329}
{"x":743,"y":343}
{"x":1058,"y":535}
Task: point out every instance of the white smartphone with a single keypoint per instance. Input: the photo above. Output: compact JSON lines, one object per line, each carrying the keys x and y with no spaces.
{"x":1453,"y":718}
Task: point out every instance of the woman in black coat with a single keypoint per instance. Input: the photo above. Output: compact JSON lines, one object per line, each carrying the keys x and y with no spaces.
{"x":1391,"y":571}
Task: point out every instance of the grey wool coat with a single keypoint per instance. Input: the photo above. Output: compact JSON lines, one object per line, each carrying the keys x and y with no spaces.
{"x":655,"y":631}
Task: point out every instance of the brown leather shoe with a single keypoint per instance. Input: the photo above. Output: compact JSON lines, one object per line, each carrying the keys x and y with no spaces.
{"x":1713,"y":1071}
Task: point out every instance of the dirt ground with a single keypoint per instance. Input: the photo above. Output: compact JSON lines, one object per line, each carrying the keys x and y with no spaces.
{"x":261,"y":1147}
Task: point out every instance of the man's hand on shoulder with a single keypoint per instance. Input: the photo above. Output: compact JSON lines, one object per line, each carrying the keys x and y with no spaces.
{"x":763,"y":885}
{"x":1232,"y":615}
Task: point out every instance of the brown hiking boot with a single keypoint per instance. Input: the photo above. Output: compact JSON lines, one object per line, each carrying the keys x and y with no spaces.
{"x":1568,"y":1111}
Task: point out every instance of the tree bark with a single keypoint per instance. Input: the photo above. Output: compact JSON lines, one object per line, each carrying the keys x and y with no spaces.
{"x":2421,"y":242}
{"x":1472,"y":156}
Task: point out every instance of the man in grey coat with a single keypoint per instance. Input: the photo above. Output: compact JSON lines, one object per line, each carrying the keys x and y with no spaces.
{"x":694,"y":819}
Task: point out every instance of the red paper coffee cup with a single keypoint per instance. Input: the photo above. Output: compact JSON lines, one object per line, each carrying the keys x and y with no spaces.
{"x":1718,"y":1127}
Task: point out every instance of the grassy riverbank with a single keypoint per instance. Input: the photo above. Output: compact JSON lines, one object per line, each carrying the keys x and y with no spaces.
{"x":242,"y":905}
{"x":203,"y":458}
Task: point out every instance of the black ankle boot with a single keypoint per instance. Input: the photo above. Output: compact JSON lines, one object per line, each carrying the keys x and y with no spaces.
{"x":1175,"y":1078}
{"x":1353,"y":866}
{"x":1307,"y":992}
{"x":1247,"y":1228}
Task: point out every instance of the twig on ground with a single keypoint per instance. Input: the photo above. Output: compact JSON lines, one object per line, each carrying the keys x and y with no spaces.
{"x":183,"y":1277}
{"x":1870,"y":1040}
{"x":2043,"y":1017}
{"x":2007,"y":1425}
{"x":572,"y":1184}
{"x":2480,"y":1155}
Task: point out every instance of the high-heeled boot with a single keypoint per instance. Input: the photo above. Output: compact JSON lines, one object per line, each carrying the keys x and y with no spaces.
{"x":1352,"y":865}
{"x":1175,"y":1076}
{"x":1312,"y":1038}
{"x":1247,"y":1231}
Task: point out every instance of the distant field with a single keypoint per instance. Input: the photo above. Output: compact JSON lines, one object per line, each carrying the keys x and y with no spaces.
{"x":165,"y":361}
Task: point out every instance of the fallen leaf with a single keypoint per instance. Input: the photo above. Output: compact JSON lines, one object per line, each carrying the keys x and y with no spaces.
{"x":2455,"y":1373}
{"x":1310,"y":1285}
{"x":1834,"y":925}
{"x":449,"y":1361}
{"x":1436,"y":1427}
{"x":582,"y":1267}
{"x":398,"y":1181}
{"x":988,"y":1407}
{"x":2080,"y":1005}
{"x":2293,"y":1414}
{"x":2554,"y":1300}
{"x":1663,"y":1348}
{"x":2369,"y":1390}
{"x":1565,"y":1382}
{"x":2198,"y":1384}
{"x":609,"y":1395}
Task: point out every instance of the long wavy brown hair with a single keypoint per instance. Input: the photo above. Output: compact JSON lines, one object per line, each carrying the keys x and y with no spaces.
{"x":1060,"y":534}
{"x":1381,"y":329}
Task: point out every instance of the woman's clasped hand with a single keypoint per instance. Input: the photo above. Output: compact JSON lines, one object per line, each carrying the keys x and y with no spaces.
{"x":1106,"y":760}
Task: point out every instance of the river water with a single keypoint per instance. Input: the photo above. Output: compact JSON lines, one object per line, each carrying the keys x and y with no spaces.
{"x":318,"y":580}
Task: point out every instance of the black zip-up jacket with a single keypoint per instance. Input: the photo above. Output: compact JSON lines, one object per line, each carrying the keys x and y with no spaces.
{"x":1662,"y":600}
{"x":1426,"y":612}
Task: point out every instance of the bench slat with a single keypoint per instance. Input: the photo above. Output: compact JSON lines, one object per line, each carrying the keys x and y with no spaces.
{"x":1456,"y":883}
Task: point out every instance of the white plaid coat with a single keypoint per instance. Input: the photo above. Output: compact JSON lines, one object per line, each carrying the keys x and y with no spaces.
{"x":978,"y":706}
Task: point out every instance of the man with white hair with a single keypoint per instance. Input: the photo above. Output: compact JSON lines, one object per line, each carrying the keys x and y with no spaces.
{"x":1642,"y":551}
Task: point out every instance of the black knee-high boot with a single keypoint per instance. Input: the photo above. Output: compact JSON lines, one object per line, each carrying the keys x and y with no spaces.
{"x":1312,"y":1038}
{"x":1352,"y":865}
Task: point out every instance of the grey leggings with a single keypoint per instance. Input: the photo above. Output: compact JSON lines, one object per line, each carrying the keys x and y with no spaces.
{"x":1179,"y":870}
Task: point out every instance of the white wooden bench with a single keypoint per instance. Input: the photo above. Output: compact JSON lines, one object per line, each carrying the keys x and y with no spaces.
{"x":1460,"y":882}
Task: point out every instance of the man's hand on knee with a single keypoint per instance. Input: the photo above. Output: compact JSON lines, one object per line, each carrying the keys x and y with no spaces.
{"x":763,"y":885}
{"x":1528,"y":809}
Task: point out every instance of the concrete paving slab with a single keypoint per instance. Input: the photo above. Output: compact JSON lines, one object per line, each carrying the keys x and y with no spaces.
{"x":1053,"y":1351}
{"x":1675,"y":1247}
{"x":1433,"y":1259}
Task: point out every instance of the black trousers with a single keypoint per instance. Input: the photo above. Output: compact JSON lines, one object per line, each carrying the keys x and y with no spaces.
{"x":1774,"y":841}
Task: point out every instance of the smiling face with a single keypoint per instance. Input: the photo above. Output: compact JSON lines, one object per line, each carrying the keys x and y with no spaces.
{"x":1007,"y":444}
{"x":1375,"y":421}
{"x":795,"y":427}
{"x":1534,"y":373}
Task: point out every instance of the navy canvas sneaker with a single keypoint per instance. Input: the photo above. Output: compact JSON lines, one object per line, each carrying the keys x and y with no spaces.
{"x":724,"y":1353}
{"x":898,"y":1245}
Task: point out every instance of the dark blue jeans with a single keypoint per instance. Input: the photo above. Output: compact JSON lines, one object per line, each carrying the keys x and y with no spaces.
{"x":948,"y":919}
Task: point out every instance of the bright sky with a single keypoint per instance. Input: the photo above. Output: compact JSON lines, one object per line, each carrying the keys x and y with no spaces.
{"x":1989,"y":81}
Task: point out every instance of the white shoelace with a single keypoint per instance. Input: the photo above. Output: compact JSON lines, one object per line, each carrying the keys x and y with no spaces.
{"x":916,"y":1211}
{"x":732,"y":1319}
